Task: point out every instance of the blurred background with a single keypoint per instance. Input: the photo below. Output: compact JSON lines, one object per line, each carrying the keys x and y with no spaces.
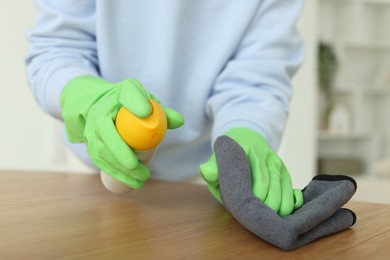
{"x":338,"y":119}
{"x":353,"y":64}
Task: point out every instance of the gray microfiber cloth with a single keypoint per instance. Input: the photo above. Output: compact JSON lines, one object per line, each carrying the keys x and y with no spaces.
{"x":321,"y":214}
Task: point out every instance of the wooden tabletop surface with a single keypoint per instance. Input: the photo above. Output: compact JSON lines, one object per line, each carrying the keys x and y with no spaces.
{"x":71,"y":216}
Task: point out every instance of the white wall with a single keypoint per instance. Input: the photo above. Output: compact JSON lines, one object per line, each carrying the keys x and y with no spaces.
{"x":29,"y":138}
{"x":22,"y":125}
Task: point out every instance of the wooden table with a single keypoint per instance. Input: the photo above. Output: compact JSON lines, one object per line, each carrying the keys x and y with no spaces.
{"x":70,"y":216}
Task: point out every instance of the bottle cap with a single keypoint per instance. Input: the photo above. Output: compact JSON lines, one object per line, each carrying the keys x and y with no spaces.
{"x":142,"y":133}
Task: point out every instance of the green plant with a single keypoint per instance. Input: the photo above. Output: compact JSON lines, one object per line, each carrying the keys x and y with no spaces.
{"x":327,"y":69}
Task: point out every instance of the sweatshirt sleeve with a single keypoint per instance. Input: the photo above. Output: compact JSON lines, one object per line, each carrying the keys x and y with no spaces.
{"x":62,"y":47}
{"x":254,"y":88}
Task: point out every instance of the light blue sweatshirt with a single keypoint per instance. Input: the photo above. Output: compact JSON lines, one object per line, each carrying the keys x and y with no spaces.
{"x":220,"y":63}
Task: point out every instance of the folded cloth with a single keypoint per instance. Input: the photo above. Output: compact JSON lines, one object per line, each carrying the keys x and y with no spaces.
{"x":321,"y":214}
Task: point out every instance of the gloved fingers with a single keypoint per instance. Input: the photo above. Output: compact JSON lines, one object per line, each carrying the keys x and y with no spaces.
{"x":298,"y":199}
{"x":134,"y":97}
{"x":274,"y":196}
{"x":137,"y":173}
{"x":288,"y":201}
{"x":174,"y":118}
{"x":141,"y":172}
{"x":102,"y":138}
{"x":100,"y":155}
{"x":260,"y":173}
{"x":133,"y":177}
{"x":111,"y":140}
{"x":153,"y":97}
{"x":126,"y":177}
{"x":209,"y":171}
{"x":323,"y":197}
{"x":341,"y":220}
{"x":113,"y":169}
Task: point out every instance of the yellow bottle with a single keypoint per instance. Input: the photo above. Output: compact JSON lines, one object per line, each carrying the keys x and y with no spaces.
{"x":143,"y":135}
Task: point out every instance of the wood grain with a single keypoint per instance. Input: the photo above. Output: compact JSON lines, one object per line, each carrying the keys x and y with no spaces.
{"x":70,"y":216}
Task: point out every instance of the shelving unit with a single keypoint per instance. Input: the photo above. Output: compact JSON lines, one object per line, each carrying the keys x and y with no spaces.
{"x":358,"y":30}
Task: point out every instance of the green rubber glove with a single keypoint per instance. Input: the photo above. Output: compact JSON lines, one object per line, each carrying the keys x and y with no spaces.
{"x":89,"y":108}
{"x":271,"y":179}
